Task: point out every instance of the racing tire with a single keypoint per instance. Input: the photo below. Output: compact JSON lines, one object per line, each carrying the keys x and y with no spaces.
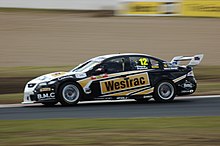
{"x":165,"y":91}
{"x":69,"y":94}
{"x":49,"y":103}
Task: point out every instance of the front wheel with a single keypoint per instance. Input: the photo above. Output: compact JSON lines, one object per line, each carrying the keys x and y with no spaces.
{"x":69,"y":94}
{"x":165,"y":91}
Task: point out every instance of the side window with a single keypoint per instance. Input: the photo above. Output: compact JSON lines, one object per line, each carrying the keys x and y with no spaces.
{"x":154,"y":64}
{"x":139,"y":63}
{"x":114,"y":65}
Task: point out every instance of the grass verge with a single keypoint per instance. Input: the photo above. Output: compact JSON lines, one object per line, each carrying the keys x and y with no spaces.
{"x":207,"y":88}
{"x":140,"y":131}
{"x":30,"y":71}
{"x":11,"y":98}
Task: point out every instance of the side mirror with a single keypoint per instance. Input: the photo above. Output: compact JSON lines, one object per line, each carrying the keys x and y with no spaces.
{"x":99,"y":71}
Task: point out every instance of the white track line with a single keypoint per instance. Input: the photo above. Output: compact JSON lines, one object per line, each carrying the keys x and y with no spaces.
{"x":199,"y":96}
{"x":104,"y":101}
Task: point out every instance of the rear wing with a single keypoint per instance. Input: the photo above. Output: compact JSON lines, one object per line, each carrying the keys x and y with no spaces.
{"x":193,"y":60}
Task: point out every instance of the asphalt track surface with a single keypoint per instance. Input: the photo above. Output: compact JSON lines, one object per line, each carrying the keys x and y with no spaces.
{"x":184,"y":106}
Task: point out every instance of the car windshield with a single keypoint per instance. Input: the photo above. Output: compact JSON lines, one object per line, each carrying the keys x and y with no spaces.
{"x":86,"y":66}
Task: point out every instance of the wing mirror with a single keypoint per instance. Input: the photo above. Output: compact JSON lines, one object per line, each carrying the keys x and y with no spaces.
{"x":99,"y":71}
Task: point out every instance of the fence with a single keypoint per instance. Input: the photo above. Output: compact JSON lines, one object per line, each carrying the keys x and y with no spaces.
{"x":60,"y":4}
{"x":198,"y":8}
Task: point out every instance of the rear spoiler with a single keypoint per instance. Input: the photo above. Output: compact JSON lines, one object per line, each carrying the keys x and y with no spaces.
{"x":193,"y":60}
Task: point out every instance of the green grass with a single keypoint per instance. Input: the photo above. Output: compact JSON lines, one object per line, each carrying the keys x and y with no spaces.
{"x":208,"y":88}
{"x":137,"y":131}
{"x":31,"y":71}
{"x":206,"y":73}
{"x":11,"y":98}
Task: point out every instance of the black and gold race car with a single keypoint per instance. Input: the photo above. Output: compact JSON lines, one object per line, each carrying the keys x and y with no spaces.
{"x":114,"y":77}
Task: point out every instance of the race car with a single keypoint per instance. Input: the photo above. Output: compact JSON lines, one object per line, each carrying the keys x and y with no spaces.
{"x":115,"y":77}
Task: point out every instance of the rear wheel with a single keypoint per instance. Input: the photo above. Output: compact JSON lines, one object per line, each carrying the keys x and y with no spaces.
{"x":69,"y":94}
{"x":165,"y":91}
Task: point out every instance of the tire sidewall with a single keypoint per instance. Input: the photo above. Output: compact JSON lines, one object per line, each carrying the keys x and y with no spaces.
{"x":158,"y":98}
{"x":62,"y":100}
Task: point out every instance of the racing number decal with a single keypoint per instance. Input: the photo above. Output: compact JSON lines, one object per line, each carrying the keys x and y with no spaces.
{"x":143,"y":61}
{"x":122,"y":84}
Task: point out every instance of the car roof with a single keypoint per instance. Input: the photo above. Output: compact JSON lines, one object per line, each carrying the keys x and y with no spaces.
{"x":123,"y":54}
{"x":103,"y":57}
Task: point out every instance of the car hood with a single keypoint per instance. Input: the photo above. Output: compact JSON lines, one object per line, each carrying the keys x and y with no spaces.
{"x":54,"y":75}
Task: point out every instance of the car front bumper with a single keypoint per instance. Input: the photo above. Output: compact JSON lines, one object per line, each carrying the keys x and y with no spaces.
{"x":38,"y":94}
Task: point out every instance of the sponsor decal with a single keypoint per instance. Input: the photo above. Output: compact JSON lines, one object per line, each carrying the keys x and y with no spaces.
{"x":187,"y":85}
{"x":148,"y":96}
{"x":56,"y":74}
{"x":121,"y":98}
{"x":106,"y":98}
{"x":45,"y":89}
{"x":129,"y":82}
{"x":65,"y":77}
{"x":155,"y":8}
{"x":99,"y":76}
{"x":201,"y":8}
{"x":141,"y":67}
{"x":171,"y":68}
{"x":85,"y":83}
{"x":46,"y":95}
{"x":143,"y":61}
{"x":187,"y":91}
{"x":80,"y":75}
{"x":155,"y":66}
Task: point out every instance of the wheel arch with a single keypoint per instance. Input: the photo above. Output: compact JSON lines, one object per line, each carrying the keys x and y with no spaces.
{"x":67,"y":81}
{"x":165,"y":79}
{"x":156,"y":95}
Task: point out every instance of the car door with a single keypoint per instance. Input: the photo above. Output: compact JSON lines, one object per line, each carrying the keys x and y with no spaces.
{"x":121,"y":79}
{"x":110,"y":69}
